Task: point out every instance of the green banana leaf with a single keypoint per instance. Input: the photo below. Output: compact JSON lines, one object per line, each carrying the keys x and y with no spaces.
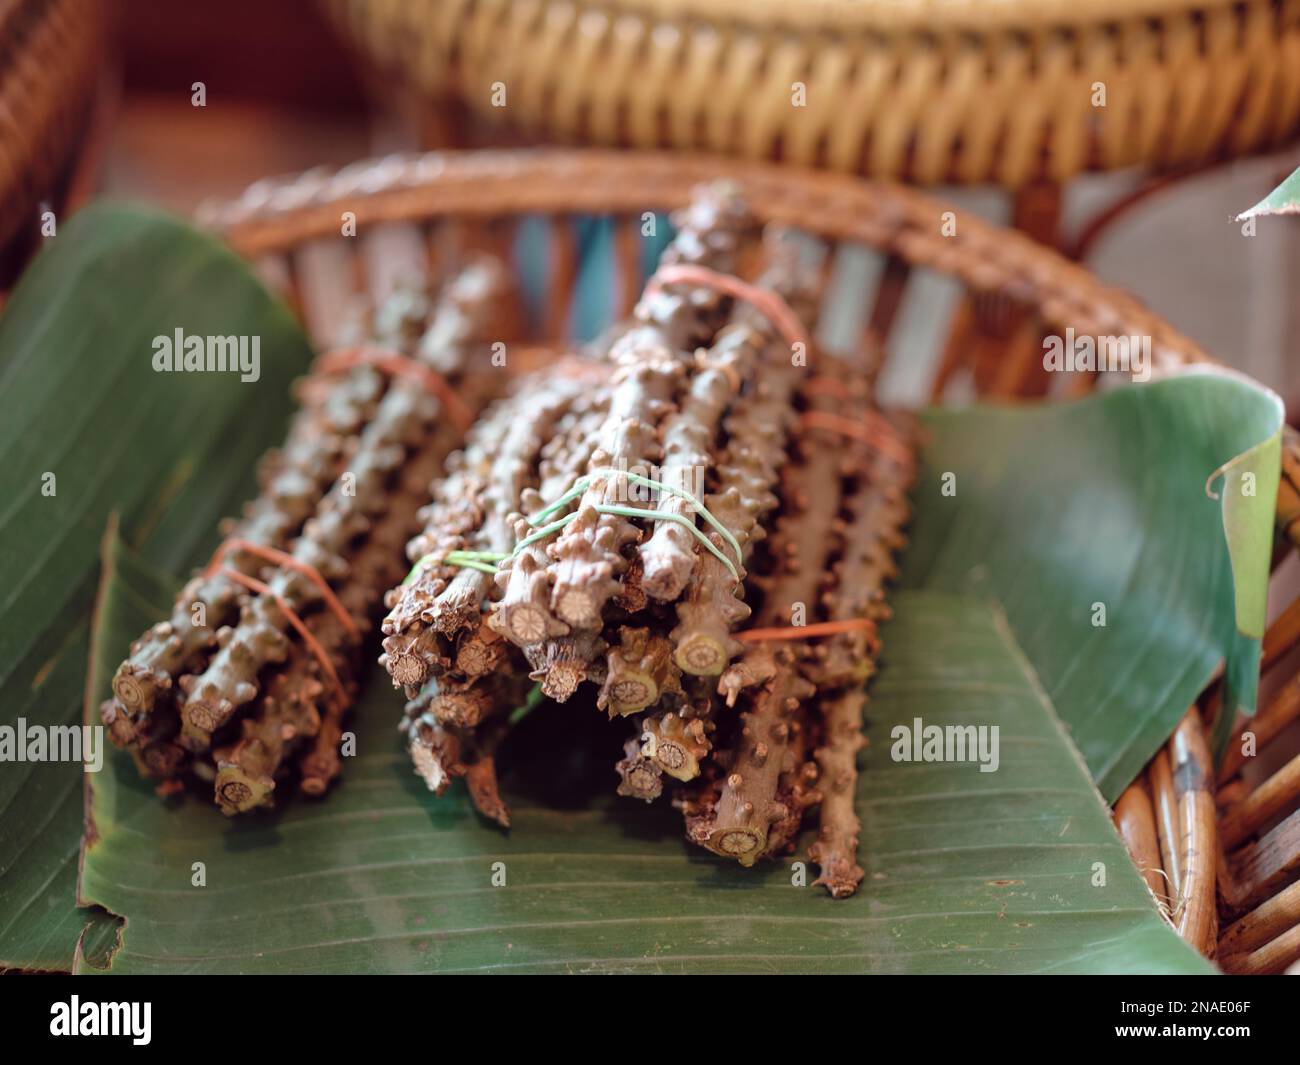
{"x":1285,"y":199}
{"x":170,"y":452}
{"x":1092,"y":527}
{"x":1055,"y":509}
{"x":1013,"y":870}
{"x":1017,"y":870}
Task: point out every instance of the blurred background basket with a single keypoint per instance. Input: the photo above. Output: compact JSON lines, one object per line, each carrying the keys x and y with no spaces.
{"x":926,"y":91}
{"x":1060,"y":117}
{"x":415,"y":213}
{"x":50,"y":55}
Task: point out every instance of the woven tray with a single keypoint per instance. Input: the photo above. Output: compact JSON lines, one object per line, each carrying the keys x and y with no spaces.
{"x":434,"y":205}
{"x":50,"y":51}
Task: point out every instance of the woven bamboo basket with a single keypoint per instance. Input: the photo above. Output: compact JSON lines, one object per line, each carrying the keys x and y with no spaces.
{"x":416,"y":212}
{"x":50,"y":52}
{"x":922,"y":90}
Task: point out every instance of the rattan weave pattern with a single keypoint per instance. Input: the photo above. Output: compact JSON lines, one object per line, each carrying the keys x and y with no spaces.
{"x":925,"y":90}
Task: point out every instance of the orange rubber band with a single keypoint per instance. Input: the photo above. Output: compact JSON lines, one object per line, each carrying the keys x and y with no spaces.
{"x":800,"y":632}
{"x":875,"y":431}
{"x":398,"y":365}
{"x":825,"y":385}
{"x":765,"y":301}
{"x":286,"y":561}
{"x":313,"y":644}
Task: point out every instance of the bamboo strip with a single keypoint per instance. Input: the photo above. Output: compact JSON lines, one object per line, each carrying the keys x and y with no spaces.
{"x":1271,"y":798}
{"x":1193,"y":779}
{"x":1136,"y":821}
{"x":1268,"y":921}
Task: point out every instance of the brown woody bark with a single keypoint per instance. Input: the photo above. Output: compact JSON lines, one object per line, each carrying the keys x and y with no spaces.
{"x":397,"y":445}
{"x":399,"y":430}
{"x":471,"y":511}
{"x":653,"y":358}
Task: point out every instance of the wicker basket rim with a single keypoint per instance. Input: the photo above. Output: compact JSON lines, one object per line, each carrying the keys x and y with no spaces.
{"x":937,"y":16}
{"x":280,"y":213}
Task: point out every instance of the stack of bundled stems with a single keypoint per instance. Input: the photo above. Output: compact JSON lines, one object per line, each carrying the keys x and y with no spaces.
{"x":660,"y":522}
{"x":246,"y":684}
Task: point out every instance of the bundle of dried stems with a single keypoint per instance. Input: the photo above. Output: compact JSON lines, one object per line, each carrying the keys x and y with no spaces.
{"x":697,"y":519}
{"x":247,"y":682}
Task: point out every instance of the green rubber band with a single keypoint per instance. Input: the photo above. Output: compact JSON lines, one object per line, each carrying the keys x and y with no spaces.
{"x":632,"y":512}
{"x":478,"y":560}
{"x":543,"y":532}
{"x":420,"y":563}
{"x":579,"y":486}
{"x":584,"y":482}
{"x":483,"y":561}
{"x":680,"y":519}
{"x":482,"y":567}
{"x":531,"y":702}
{"x":681,"y":493}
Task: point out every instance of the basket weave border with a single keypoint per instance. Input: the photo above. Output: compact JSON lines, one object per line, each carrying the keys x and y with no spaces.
{"x":278,"y":214}
{"x":968,"y":91}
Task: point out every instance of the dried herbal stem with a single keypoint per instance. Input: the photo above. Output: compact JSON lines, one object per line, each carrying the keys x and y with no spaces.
{"x":640,"y":672}
{"x":767,"y":782}
{"x":472,"y":511}
{"x":292,"y":481}
{"x":442,"y":751}
{"x":652,"y":357}
{"x":368,"y":436}
{"x":748,"y":344}
{"x":400,"y":425}
{"x":758,"y":430}
{"x":877,"y":513}
{"x":524,"y":612}
{"x":836,"y":849}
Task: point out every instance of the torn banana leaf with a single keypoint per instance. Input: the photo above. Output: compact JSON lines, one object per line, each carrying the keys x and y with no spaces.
{"x":1090,"y":526}
{"x":1285,"y":199}
{"x":87,"y":427}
